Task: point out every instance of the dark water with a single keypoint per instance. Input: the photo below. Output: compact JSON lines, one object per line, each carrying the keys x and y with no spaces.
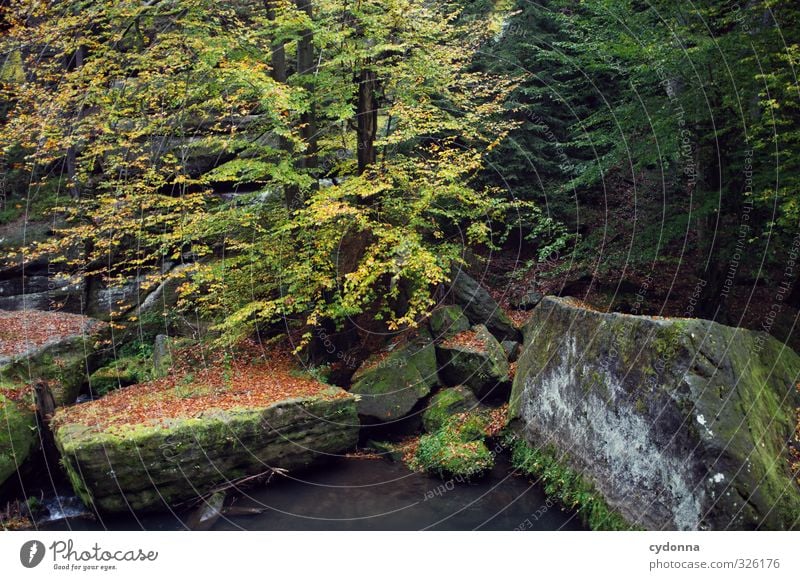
{"x":371,"y":494}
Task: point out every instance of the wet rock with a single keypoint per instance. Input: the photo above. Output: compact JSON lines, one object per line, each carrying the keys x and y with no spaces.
{"x":205,"y":516}
{"x":679,"y":423}
{"x":480,"y":363}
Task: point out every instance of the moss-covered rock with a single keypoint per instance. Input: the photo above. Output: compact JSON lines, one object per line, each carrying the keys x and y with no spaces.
{"x":479,"y":363}
{"x":678,"y":423}
{"x":481,"y":308}
{"x":446,"y":403}
{"x":61,"y":362}
{"x":159,"y":463}
{"x":121,"y":372}
{"x":18,"y":431}
{"x":457,"y":449}
{"x":389,"y":387}
{"x":447,"y":321}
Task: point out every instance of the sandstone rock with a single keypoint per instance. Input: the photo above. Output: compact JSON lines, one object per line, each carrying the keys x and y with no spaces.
{"x":448,"y":321}
{"x":17,"y":430}
{"x":159,"y":463}
{"x":446,"y":403}
{"x":390,"y":387}
{"x":479,"y":364}
{"x":680,"y":424}
{"x":481,"y":308}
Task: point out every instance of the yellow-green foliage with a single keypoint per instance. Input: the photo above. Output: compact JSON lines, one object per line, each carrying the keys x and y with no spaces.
{"x":143,"y":84}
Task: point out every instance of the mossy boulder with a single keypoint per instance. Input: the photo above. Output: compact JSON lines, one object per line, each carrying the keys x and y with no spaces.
{"x":448,"y":321}
{"x":18,"y":430}
{"x":446,"y":403}
{"x":62,"y":366}
{"x":481,"y":308}
{"x":121,"y":372}
{"x":159,"y":463}
{"x":389,"y":387}
{"x":479,"y":362}
{"x":678,"y":423}
{"x":457,"y":449}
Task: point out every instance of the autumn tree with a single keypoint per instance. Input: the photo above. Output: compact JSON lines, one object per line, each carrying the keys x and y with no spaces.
{"x":382,"y":97}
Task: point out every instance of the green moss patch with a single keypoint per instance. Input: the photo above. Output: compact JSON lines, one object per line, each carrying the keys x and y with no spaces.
{"x":18,"y":433}
{"x":457,"y":449}
{"x":566,"y":485}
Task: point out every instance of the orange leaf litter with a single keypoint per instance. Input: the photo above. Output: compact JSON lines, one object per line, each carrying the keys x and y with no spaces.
{"x":22,"y":330}
{"x":251,"y":378}
{"x":465,"y":339}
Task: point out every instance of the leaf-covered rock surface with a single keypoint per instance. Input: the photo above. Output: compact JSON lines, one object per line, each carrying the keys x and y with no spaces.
{"x":24,"y":332}
{"x":152,"y":445}
{"x":52,"y":348}
{"x":476,"y":359}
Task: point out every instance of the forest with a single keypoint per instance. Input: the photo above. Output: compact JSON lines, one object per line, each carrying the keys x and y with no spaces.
{"x":454,"y":239}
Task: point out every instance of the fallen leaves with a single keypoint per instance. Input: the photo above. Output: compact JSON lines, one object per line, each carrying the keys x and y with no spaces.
{"x":200,"y":381}
{"x":23,"y":330}
{"x":519,"y":317}
{"x":466,"y":339}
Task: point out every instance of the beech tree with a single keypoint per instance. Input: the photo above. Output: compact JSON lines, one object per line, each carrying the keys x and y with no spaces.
{"x":147,"y":111}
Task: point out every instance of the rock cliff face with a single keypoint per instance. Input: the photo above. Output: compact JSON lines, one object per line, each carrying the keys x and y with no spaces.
{"x":680,"y":424}
{"x":156,"y":464}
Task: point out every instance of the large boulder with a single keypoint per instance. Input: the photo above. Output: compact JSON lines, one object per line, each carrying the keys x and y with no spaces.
{"x":481,"y":308}
{"x":157,"y":463}
{"x":475,"y":359}
{"x":38,"y":348}
{"x":680,"y":424}
{"x":390,"y":386}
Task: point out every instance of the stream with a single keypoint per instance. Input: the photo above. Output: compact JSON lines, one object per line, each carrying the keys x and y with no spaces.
{"x":358,"y":494}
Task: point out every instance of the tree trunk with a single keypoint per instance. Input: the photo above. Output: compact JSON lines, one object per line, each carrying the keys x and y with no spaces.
{"x":367,"y":116}
{"x":305,"y":66}
{"x":280,"y":73}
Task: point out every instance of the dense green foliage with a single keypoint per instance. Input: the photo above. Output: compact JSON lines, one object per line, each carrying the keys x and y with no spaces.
{"x":147,"y":89}
{"x":663,"y":134}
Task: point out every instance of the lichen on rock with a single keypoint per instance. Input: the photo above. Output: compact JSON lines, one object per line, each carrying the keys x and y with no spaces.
{"x":680,"y":424}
